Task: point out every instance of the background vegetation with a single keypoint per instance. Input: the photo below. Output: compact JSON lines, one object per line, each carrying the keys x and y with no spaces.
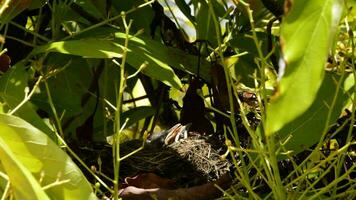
{"x":278,"y":84}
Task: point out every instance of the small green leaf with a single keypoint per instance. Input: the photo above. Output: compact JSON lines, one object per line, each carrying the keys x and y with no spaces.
{"x":307,"y":33}
{"x":44,"y":159}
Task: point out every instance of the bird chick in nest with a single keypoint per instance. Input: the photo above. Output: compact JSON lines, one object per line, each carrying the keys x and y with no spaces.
{"x":169,"y":136}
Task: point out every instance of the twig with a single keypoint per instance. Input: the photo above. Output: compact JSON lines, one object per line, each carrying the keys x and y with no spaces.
{"x":27,"y":96}
{"x":56,"y":183}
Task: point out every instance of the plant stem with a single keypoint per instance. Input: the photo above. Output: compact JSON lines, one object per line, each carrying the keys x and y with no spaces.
{"x":232,"y":118}
{"x":29,"y":31}
{"x":117,"y":124}
{"x":6,"y":191}
{"x":350,"y":131}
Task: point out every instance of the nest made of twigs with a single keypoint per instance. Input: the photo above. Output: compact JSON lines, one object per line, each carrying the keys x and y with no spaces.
{"x":202,"y":155}
{"x":191,"y":161}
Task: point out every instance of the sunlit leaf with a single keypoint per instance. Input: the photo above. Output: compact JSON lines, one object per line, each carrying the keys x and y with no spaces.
{"x":104,"y":48}
{"x":306,"y":130}
{"x":141,"y":49}
{"x":12,"y":9}
{"x":184,"y":7}
{"x":24,"y":185}
{"x":44,"y":159}
{"x":307,"y":33}
{"x":88,"y":48}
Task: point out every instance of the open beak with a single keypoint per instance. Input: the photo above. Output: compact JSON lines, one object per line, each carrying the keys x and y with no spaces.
{"x":177,"y":132}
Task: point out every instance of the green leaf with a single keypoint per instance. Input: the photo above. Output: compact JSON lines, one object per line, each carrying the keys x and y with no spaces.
{"x":88,"y":48}
{"x":219,"y":8}
{"x":184,"y":7}
{"x":24,"y":185}
{"x":104,"y":48}
{"x":44,"y":159}
{"x":205,"y":27}
{"x":12,"y":9}
{"x":94,"y":7}
{"x":12,"y":92}
{"x":35,"y":4}
{"x":307,"y":33}
{"x":306,"y":130}
{"x":168,"y":56}
{"x":141,"y":49}
{"x":100,"y":6}
{"x":66,"y":88}
{"x":135,"y":114}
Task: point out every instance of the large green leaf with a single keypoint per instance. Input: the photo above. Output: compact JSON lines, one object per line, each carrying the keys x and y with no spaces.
{"x":141,"y":49}
{"x":105,"y":48}
{"x":307,"y":33}
{"x":66,"y":88}
{"x":24,"y":185}
{"x":168,"y":55}
{"x":306,"y":130}
{"x":12,"y":92}
{"x":43,"y":159}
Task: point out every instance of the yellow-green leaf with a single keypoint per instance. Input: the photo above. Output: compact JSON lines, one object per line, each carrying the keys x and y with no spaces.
{"x":307,"y":32}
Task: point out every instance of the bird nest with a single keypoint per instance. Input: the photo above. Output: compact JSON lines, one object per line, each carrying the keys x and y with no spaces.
{"x":191,"y":161}
{"x":203,"y":156}
{"x":188,"y":162}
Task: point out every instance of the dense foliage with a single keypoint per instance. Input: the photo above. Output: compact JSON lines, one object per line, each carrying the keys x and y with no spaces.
{"x":272,"y":80}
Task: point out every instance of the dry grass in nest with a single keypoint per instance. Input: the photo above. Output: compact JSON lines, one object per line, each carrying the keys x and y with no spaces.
{"x":203,"y":157}
{"x":189,"y":162}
